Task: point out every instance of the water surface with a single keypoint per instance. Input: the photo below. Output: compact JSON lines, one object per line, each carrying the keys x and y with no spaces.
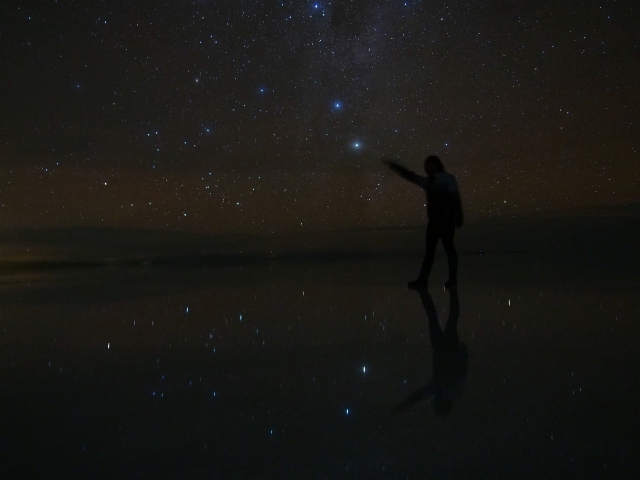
{"x":290,"y":360}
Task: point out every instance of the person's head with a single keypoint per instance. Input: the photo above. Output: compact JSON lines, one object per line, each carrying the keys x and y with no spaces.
{"x":433,"y":165}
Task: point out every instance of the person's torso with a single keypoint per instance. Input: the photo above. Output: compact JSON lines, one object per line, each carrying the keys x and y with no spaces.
{"x":440,"y":196}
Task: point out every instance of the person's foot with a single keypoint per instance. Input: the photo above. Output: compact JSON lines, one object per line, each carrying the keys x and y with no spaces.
{"x":418,"y":283}
{"x":450,"y":284}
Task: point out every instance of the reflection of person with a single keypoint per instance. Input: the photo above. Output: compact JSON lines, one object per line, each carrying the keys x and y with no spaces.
{"x":450,"y":357}
{"x":444,"y":211}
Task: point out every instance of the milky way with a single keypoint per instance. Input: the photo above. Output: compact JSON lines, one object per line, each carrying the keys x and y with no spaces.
{"x":225,"y":116}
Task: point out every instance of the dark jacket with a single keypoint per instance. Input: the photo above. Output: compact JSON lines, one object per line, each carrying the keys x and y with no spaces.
{"x":443,"y":197}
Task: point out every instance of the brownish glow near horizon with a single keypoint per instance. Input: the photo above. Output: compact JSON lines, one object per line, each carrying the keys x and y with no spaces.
{"x":266,"y":118}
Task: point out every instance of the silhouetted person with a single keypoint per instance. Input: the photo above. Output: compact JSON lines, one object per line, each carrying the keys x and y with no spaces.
{"x":444,"y":212}
{"x":450,"y":357}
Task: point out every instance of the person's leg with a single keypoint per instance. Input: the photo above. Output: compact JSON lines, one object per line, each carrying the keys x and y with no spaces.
{"x":430,"y":250}
{"x":452,"y":256}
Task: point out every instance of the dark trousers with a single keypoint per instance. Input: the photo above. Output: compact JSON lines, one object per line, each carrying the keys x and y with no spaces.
{"x":440,"y":231}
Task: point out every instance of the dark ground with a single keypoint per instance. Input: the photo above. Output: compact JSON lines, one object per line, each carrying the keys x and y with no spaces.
{"x":136,"y":354}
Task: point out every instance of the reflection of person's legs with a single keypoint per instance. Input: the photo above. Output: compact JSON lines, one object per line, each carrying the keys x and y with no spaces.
{"x":430,"y":250}
{"x":435,"y":332}
{"x":452,"y":255}
{"x":451,"y":329}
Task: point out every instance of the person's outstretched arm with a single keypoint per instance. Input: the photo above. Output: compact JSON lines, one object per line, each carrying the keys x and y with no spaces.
{"x":404,"y":172}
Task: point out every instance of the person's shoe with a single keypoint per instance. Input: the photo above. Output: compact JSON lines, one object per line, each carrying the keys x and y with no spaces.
{"x":450,"y":284}
{"x":418,"y":283}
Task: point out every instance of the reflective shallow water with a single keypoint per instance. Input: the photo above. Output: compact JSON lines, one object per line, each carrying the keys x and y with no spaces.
{"x":325,"y":367}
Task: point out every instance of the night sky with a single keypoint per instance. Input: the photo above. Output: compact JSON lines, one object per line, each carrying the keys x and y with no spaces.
{"x":250,"y":116}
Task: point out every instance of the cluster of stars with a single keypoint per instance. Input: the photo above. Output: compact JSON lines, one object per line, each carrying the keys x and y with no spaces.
{"x":508,"y":97}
